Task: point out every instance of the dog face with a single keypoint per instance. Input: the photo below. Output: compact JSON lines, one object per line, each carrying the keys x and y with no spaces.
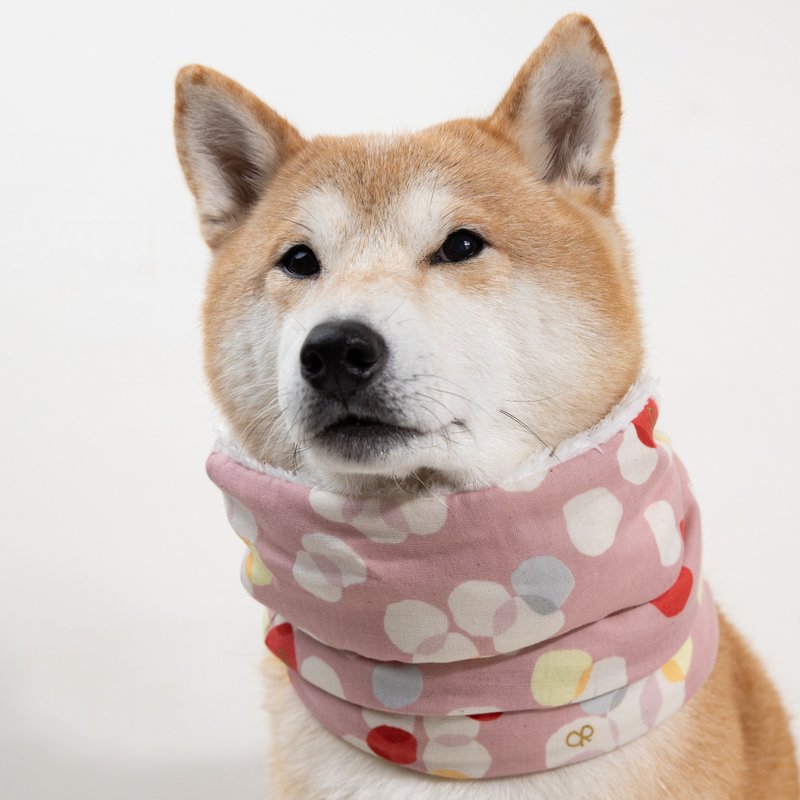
{"x":431,"y":307}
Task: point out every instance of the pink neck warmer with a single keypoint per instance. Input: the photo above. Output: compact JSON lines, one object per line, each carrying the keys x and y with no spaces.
{"x":494,"y":632}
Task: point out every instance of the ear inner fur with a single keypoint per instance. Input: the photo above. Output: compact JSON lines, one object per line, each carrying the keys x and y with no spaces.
{"x":563,"y":110}
{"x":230,"y":144}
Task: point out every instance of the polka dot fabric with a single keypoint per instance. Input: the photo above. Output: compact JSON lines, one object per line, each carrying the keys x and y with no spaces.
{"x":493,"y":632}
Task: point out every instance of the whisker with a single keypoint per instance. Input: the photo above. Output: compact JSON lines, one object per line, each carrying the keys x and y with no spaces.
{"x":252,"y":426}
{"x":299,"y":324}
{"x":399,"y":306}
{"x":527,"y":428}
{"x":538,"y":400}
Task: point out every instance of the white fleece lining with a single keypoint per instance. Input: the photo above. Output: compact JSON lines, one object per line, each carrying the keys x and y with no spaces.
{"x":591,"y":439}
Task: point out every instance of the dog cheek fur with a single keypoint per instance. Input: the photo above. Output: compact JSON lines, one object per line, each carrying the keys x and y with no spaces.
{"x":241,"y":359}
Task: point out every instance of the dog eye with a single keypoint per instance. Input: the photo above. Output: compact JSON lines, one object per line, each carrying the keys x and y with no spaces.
{"x":459,"y":246}
{"x":299,"y":262}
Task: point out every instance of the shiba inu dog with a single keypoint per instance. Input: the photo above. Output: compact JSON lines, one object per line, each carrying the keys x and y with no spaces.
{"x":415,"y":314}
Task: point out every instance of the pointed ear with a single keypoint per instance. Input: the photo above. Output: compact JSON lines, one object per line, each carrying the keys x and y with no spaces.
{"x":563,"y":110}
{"x":229,"y":145}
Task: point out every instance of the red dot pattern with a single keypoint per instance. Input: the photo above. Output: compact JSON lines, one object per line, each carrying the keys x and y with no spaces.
{"x":673,"y":601}
{"x":393,"y":744}
{"x":280,"y":641}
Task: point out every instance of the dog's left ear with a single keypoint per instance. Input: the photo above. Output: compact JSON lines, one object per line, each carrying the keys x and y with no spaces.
{"x":563,"y":111}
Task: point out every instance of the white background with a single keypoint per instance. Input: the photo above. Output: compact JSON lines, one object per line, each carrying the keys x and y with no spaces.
{"x":128,"y":650}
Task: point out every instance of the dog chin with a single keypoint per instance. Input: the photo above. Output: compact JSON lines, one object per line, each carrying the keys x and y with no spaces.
{"x":395,"y":453}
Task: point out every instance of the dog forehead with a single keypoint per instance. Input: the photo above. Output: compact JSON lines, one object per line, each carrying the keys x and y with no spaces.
{"x":372,"y":169}
{"x":457,"y":174}
{"x":411,"y":215}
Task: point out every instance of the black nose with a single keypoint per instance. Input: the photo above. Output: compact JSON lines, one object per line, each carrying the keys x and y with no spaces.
{"x":339,"y":358}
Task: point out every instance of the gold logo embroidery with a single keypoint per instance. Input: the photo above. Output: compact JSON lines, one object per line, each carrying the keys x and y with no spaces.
{"x":579,"y":738}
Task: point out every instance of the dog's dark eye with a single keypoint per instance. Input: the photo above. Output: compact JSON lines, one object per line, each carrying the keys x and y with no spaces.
{"x":299,"y":262}
{"x":459,"y":246}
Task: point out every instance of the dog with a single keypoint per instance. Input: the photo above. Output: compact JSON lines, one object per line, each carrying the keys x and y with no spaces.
{"x":418,"y":314}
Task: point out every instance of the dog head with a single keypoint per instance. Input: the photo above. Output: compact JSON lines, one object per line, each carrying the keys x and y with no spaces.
{"x":420,"y":308}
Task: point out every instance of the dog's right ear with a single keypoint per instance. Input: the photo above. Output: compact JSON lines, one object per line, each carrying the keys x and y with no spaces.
{"x":229,"y":145}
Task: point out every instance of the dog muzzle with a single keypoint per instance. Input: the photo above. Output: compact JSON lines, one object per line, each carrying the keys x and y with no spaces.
{"x":488,"y":633}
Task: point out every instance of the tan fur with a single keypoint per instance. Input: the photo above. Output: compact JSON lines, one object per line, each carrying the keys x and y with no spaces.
{"x":193,"y":80}
{"x":546,"y":210}
{"x":572,"y":249}
{"x":572,"y":31}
